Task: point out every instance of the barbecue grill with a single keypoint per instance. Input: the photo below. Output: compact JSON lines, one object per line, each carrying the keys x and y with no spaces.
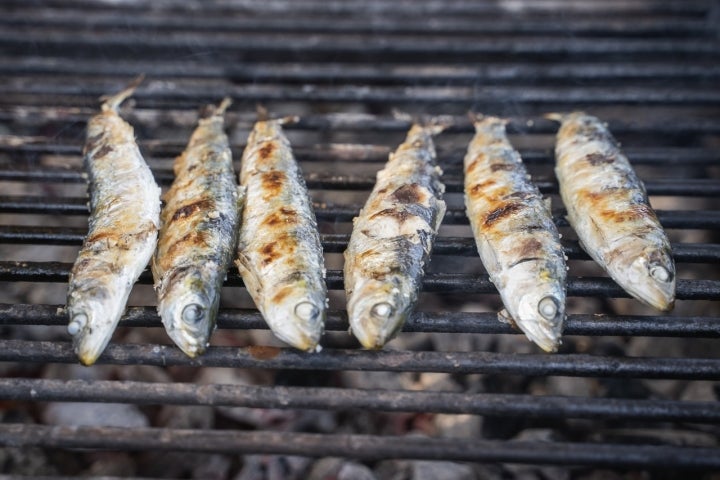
{"x":649,"y":67}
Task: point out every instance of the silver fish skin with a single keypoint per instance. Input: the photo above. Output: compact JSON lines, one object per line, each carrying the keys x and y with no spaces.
{"x":280,"y":256}
{"x":392,"y":239}
{"x":198,"y":234}
{"x":609,"y":210}
{"x":517,"y":240}
{"x":123,"y":226}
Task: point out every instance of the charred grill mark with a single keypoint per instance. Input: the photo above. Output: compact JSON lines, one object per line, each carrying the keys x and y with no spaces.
{"x":477,"y":190}
{"x":282,"y":294}
{"x":110,"y":237}
{"x":187,"y":210}
{"x":272,"y":183}
{"x":193,"y":239}
{"x":529,"y":247}
{"x":284,"y":215}
{"x":400,"y":215}
{"x":523,"y":260}
{"x":269,"y":253}
{"x":408,"y":193}
{"x":633,"y":213}
{"x":501,"y":212}
{"x":266,"y":150}
{"x":595,"y":159}
{"x":92,"y":143}
{"x":104,"y":150}
{"x":505,"y":167}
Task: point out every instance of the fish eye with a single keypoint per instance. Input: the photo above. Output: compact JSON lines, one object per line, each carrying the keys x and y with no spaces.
{"x":381,"y":310}
{"x":193,"y":313}
{"x":78,"y":322}
{"x":306,"y":311}
{"x":548,"y":307}
{"x":660,"y":273}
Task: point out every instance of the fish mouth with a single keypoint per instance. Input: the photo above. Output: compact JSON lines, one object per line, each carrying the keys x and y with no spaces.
{"x":189,"y":324}
{"x":542,"y":321}
{"x":88,"y":342}
{"x":377,"y":323}
{"x":652,"y":283}
{"x":300,"y":323}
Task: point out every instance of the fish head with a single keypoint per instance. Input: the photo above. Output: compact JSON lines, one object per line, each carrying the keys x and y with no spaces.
{"x":541,"y":315}
{"x":296,"y":315}
{"x":188,"y":305}
{"x":651,"y":279}
{"x":93,"y":313}
{"x":377,"y":311}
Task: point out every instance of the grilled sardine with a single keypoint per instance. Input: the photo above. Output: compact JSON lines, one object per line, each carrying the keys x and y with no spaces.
{"x":392,"y":238}
{"x":280,"y":256}
{"x":124,"y":218}
{"x":517,"y":240}
{"x":198,"y":235}
{"x":608,"y":207}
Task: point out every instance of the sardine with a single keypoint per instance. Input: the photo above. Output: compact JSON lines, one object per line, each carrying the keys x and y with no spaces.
{"x":124,"y":218}
{"x":609,"y":209}
{"x":198,"y":234}
{"x":516,"y":238}
{"x":392,"y":239}
{"x":280,"y":256}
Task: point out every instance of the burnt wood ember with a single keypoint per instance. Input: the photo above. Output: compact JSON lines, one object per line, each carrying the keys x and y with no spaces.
{"x":630,"y":390}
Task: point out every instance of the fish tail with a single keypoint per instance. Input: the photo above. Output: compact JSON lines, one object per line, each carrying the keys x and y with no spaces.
{"x":263,"y":116}
{"x":216,"y":111}
{"x":112,"y":102}
{"x":479,"y":118}
{"x":433,"y":124}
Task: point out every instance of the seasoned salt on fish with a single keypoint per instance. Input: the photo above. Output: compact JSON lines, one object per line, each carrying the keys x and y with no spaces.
{"x":198,"y":234}
{"x":124,"y":218}
{"x":608,"y":207}
{"x":280,"y":256}
{"x":392,"y":239}
{"x":517,"y":240}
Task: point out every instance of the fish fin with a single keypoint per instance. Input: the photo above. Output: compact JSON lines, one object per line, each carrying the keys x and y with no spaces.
{"x":112,"y":102}
{"x":555,"y":116}
{"x":442,"y":208}
{"x":547,"y":201}
{"x":477,"y":118}
{"x":216,"y":110}
{"x":504,"y":317}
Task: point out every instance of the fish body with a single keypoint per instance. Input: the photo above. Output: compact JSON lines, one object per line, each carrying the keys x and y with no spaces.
{"x":198,"y":235}
{"x":609,"y":210}
{"x":517,"y":240}
{"x":392,"y":239}
{"x":123,"y":226}
{"x":280,"y":256}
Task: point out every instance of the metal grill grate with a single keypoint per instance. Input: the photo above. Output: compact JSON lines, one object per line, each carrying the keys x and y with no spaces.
{"x":649,"y":66}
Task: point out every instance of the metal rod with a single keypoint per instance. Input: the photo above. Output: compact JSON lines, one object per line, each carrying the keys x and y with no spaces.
{"x":337,"y":243}
{"x":437,"y":322}
{"x":573,"y":365}
{"x":364,"y":447}
{"x":432,"y":282}
{"x":144,"y":393}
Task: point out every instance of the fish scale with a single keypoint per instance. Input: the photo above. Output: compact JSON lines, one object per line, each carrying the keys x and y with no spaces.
{"x":609,"y":210}
{"x":280,"y":256}
{"x":198,"y":235}
{"x":392,"y":239}
{"x":517,"y":240}
{"x":123,"y":226}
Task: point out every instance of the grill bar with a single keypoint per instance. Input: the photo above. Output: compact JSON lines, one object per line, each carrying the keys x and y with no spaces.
{"x":439,"y":322}
{"x":331,"y":181}
{"x":144,"y":393}
{"x":386,"y":360}
{"x":22,"y":91}
{"x":358,"y":446}
{"x":707,"y":219}
{"x":336,"y":243}
{"x":433,"y":282}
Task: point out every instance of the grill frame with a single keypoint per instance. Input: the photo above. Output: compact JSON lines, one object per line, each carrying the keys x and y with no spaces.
{"x":544,"y":70}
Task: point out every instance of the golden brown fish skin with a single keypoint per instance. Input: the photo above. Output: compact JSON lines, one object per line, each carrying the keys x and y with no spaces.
{"x":280,"y":256}
{"x":392,"y":239}
{"x":198,"y":234}
{"x":517,"y":240}
{"x":123,"y":225}
{"x":608,"y":208}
